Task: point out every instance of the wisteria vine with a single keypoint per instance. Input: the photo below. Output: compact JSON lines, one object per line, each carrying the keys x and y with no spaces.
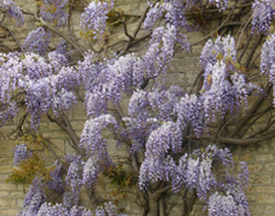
{"x":166,"y":131}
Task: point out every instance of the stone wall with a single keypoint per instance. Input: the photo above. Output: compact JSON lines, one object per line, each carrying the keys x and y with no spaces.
{"x":183,"y":70}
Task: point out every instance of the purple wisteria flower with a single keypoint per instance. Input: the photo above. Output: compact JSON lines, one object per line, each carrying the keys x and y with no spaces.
{"x":80,"y":211}
{"x":49,"y":209}
{"x":55,"y":11}
{"x":263,"y":13}
{"x":64,"y":49}
{"x":91,"y":138}
{"x":62,"y":101}
{"x":164,"y":102}
{"x":175,"y":14}
{"x":167,"y":137}
{"x":224,"y":88}
{"x":37,"y":41}
{"x":128,"y":72}
{"x":161,"y":49}
{"x":39,"y":99}
{"x":157,"y":166}
{"x":222,"y":46}
{"x":21,"y":153}
{"x":13,"y":11}
{"x":10,"y":75}
{"x":56,"y":183}
{"x":219,"y":204}
{"x":190,"y":110}
{"x":57,"y":60}
{"x":100,"y":84}
{"x":90,"y":172}
{"x":108,"y":209}
{"x":268,"y":61}
{"x":36,"y":67}
{"x":74,"y":174}
{"x":230,"y":200}
{"x":34,"y":198}
{"x":95,"y":16}
{"x":155,"y":12}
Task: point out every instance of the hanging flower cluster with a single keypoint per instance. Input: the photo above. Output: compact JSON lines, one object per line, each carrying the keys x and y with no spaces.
{"x":268,"y":61}
{"x":95,"y":16}
{"x":37,"y":41}
{"x":13,"y":11}
{"x":55,"y":11}
{"x":263,"y":13}
{"x":21,"y":153}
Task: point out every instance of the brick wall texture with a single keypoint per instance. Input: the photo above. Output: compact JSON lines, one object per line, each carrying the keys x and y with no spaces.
{"x":183,"y":70}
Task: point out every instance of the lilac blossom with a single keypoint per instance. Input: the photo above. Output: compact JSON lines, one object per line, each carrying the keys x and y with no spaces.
{"x":37,"y":41}
{"x":21,"y":153}
{"x":95,"y":16}
{"x":13,"y":11}
{"x":263,"y":13}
